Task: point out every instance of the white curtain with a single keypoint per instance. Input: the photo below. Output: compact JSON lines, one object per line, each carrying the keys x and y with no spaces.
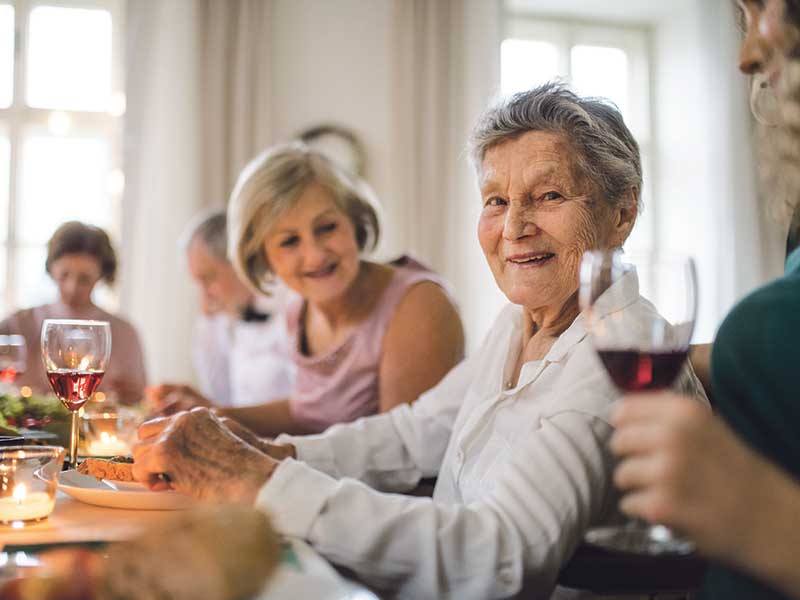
{"x":445,"y":71}
{"x":425,"y":116}
{"x":197,"y":81}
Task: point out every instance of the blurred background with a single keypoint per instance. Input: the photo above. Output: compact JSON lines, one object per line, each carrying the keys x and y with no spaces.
{"x":135,"y":115}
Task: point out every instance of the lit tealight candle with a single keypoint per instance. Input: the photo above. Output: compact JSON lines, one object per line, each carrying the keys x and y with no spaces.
{"x":108,"y":445}
{"x":22,"y":506}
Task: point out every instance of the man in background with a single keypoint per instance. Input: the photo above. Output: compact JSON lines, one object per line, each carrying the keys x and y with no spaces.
{"x":240,"y":349}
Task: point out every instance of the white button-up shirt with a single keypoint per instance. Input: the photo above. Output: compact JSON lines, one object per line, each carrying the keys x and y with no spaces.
{"x":523,"y":469}
{"x":242,"y":363}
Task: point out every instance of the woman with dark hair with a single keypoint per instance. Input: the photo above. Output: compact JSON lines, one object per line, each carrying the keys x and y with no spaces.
{"x":731,"y":483}
{"x":78,"y":257}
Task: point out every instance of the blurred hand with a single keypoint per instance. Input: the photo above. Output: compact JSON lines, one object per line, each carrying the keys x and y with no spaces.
{"x":169,"y":398}
{"x":124,"y":390}
{"x":200,"y":457}
{"x":682,"y":467}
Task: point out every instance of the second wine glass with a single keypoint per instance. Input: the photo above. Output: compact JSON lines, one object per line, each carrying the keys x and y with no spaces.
{"x":13,"y":359}
{"x":643,"y":349}
{"x":75,"y":355}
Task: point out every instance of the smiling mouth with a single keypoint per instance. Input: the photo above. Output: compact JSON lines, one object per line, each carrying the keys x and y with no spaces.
{"x":320,"y":273}
{"x":531,"y":260}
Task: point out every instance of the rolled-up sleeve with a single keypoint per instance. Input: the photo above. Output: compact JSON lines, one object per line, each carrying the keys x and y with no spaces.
{"x":552,"y":485}
{"x":391,"y":451}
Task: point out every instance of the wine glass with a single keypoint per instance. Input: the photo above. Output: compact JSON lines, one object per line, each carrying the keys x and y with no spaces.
{"x":75,"y":355}
{"x":13,"y":359}
{"x":643,"y":349}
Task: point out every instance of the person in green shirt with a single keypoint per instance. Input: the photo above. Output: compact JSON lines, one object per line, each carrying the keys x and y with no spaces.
{"x":731,"y":482}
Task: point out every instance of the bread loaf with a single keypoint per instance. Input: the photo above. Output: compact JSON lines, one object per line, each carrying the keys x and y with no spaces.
{"x":116,"y":469}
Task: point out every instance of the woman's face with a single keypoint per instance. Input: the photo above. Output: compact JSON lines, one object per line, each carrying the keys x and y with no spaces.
{"x":538,"y":219}
{"x":313,"y":247}
{"x":765,"y":39}
{"x":76,"y":275}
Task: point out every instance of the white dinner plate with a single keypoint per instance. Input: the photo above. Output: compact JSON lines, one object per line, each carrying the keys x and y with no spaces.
{"x":118,"y":494}
{"x":125,"y":486}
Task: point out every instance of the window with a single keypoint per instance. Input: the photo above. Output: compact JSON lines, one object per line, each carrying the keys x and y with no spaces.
{"x":61,"y":103}
{"x":596,"y":61}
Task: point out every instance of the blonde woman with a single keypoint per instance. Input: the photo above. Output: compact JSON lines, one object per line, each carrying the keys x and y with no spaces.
{"x":365,"y":336}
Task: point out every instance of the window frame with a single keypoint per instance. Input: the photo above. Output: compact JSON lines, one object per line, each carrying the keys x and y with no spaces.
{"x":636,"y":41}
{"x":19,"y":119}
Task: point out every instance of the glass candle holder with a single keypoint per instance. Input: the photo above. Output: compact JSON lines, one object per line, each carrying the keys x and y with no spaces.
{"x":28,"y":482}
{"x":109,"y":433}
{"x":106,"y":434}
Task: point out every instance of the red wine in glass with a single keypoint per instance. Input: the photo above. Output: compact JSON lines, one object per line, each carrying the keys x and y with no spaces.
{"x":75,"y":354}
{"x":74,"y":388}
{"x":642,"y":345}
{"x":637,"y":371}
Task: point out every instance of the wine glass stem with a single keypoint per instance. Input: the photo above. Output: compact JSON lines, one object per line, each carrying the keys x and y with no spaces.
{"x":73,"y":441}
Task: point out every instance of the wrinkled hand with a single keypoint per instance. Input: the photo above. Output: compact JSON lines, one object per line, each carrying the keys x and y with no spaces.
{"x":682,"y":467}
{"x":200,"y":457}
{"x":168,"y":398}
{"x":276,"y":451}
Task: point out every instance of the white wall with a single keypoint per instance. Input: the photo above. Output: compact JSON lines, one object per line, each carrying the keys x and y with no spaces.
{"x":684,"y":190}
{"x":332,"y":63}
{"x":707,"y":198}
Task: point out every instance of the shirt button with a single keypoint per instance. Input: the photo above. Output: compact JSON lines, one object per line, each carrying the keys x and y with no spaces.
{"x":460,"y":456}
{"x":509,"y":385}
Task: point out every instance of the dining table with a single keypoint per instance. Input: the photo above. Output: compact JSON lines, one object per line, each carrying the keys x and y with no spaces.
{"x":302,"y":573}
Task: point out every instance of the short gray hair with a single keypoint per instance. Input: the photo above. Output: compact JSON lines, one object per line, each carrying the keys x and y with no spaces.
{"x":606,"y":152}
{"x":211,"y":228}
{"x":271,"y":184}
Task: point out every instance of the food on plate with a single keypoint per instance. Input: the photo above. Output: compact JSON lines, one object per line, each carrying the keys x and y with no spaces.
{"x":118,"y":468}
{"x":220,"y":553}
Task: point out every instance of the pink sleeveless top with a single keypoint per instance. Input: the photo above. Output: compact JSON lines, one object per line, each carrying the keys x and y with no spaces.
{"x":342,"y":385}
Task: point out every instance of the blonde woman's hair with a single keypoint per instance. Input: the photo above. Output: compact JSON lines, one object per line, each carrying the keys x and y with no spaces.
{"x":270,"y":185}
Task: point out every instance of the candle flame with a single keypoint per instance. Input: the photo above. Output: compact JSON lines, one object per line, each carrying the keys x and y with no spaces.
{"x":20,"y":493}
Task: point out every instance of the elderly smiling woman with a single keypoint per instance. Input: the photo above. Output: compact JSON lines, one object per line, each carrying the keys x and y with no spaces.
{"x":516,"y":434}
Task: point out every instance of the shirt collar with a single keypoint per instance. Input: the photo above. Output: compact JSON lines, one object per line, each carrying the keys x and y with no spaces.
{"x":621,"y":294}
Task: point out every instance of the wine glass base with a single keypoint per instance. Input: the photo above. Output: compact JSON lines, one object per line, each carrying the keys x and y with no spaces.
{"x":639,"y":538}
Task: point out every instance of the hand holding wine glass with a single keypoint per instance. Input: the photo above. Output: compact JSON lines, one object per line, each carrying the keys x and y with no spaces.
{"x":641,"y":354}
{"x":75,"y":355}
